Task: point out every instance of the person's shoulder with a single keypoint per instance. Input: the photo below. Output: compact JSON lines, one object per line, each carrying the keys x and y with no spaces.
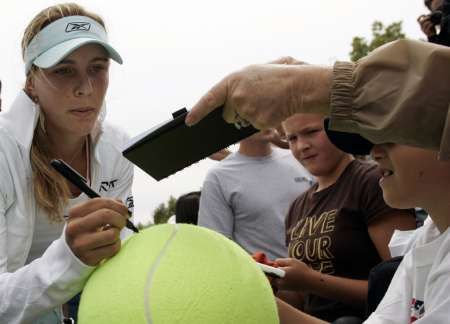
{"x":109,"y":147}
{"x":222,"y":165}
{"x":223,"y":169}
{"x":9,"y":145}
{"x":212,"y":177}
{"x":362,"y":178}
{"x":233,"y":159}
{"x":431,"y":240}
{"x":430,"y":234}
{"x":114,"y":132}
{"x":6,"y":167}
{"x":5,"y":135}
{"x":113,"y":136}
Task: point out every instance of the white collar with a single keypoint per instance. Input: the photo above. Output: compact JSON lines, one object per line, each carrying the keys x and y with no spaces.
{"x":21,"y":119}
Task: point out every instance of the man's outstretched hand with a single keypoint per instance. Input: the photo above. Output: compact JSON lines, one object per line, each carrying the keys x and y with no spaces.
{"x":267,"y":94}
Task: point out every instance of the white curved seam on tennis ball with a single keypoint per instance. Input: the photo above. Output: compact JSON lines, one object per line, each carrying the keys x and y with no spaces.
{"x":152,"y":271}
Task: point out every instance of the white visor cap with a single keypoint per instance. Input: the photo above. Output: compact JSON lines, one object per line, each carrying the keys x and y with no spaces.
{"x":63,"y":36}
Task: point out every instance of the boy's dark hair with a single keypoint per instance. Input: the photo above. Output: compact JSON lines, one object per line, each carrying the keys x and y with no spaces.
{"x":186,"y":208}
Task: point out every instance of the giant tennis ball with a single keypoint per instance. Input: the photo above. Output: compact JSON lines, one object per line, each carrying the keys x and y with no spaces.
{"x":177,"y":273}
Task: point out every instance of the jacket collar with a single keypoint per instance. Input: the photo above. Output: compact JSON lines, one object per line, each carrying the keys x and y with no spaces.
{"x":22,"y":117}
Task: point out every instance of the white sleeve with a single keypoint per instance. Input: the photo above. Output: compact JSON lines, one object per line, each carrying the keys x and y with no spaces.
{"x":215,"y":212}
{"x":42,"y":285}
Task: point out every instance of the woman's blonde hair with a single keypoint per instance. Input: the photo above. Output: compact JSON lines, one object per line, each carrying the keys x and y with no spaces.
{"x":50,"y":189}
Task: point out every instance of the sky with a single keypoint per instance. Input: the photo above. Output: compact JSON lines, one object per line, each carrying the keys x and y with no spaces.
{"x":174,"y":51}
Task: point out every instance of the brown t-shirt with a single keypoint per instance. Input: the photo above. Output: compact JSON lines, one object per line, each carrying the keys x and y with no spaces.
{"x":328,"y":231}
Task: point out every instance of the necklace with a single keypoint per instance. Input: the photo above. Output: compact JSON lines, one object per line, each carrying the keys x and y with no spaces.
{"x":85,"y":145}
{"x":77,"y":153}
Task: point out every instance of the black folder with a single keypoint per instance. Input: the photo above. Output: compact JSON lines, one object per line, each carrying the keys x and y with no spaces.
{"x":172,"y":146}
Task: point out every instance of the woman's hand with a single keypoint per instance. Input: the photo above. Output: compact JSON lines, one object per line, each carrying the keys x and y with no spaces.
{"x":298,"y":275}
{"x":93,"y":229}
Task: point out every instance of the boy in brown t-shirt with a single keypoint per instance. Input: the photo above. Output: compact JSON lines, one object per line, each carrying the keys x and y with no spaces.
{"x":339,"y":229}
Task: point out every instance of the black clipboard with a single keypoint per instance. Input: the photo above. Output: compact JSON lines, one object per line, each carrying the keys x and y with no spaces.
{"x":172,"y":146}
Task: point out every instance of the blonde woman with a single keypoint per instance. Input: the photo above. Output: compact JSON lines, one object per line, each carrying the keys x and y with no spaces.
{"x":46,"y":257}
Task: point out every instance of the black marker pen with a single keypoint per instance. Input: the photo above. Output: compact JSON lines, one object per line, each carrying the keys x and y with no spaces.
{"x":78,"y":181}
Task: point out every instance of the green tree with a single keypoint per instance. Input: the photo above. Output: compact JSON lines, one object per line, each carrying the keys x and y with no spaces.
{"x":163,"y":212}
{"x":380,"y":35}
{"x":171,"y":204}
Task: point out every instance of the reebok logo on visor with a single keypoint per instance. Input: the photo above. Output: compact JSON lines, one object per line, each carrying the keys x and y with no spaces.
{"x":56,"y":40}
{"x":78,"y":26}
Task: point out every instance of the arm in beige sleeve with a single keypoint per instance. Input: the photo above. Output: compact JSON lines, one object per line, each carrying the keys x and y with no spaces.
{"x":399,"y":93}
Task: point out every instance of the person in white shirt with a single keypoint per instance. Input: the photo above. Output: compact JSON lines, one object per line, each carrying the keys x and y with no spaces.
{"x":51,"y":235}
{"x":419,"y":290}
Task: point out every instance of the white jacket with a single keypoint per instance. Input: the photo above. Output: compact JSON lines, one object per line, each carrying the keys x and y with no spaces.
{"x":26,"y":292}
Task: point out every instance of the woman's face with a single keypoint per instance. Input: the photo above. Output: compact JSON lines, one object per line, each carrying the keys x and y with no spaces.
{"x":72,"y":92}
{"x":411,"y":177}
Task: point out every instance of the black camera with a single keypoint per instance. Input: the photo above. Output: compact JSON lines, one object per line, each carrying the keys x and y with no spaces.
{"x":441,"y":18}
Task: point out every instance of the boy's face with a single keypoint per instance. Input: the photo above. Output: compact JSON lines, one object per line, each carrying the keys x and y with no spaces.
{"x":411,"y":177}
{"x":310,"y":145}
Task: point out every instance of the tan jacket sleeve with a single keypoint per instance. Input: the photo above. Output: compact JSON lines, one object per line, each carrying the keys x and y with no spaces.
{"x":400,"y":93}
